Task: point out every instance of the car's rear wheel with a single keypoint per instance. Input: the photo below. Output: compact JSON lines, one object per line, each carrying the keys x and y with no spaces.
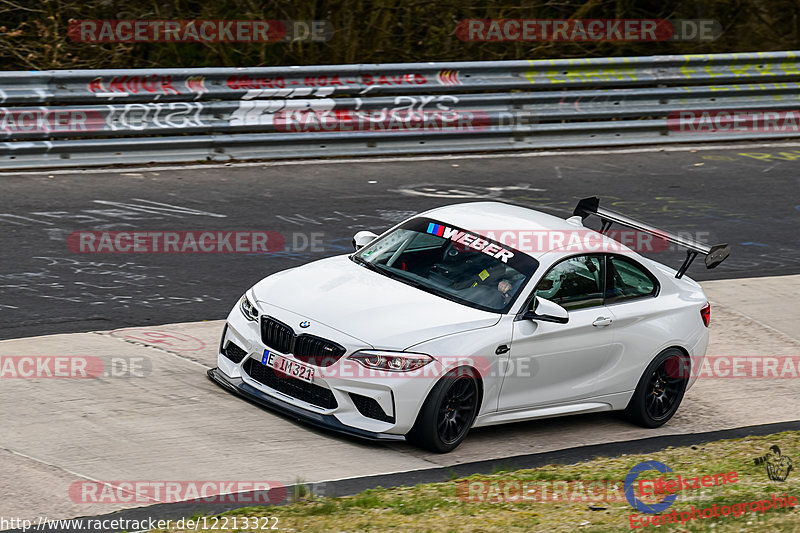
{"x":660,"y":390}
{"x":448,"y":412}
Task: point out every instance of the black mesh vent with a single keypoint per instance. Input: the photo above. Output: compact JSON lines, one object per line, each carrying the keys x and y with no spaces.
{"x":370,"y":408}
{"x":307,"y":348}
{"x":234,"y":353}
{"x":296,"y":388}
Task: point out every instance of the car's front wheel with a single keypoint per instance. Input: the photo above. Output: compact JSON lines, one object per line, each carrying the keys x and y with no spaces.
{"x":660,"y":389}
{"x":448,"y":412}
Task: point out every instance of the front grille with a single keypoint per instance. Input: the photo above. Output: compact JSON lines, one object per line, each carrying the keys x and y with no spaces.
{"x":296,"y":388}
{"x":317,"y":351}
{"x":308,"y":348}
{"x":370,"y":408}
{"x":276,"y":334}
{"x":234,"y":353}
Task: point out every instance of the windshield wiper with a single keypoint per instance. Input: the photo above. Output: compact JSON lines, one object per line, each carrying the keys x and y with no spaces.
{"x":370,"y":266}
{"x":407,"y":281}
{"x":388,"y":273}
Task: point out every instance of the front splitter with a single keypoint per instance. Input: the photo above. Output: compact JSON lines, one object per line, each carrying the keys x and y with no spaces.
{"x":328,"y":422}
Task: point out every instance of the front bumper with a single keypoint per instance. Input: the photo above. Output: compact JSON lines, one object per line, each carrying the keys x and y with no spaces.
{"x":328,"y":422}
{"x":369,"y":403}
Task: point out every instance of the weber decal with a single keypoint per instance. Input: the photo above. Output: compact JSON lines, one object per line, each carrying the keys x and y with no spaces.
{"x":476,"y":242}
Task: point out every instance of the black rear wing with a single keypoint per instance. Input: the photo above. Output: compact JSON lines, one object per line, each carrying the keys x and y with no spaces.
{"x":714,"y":254}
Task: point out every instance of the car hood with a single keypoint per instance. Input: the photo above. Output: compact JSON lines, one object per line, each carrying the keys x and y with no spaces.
{"x":377,"y":310}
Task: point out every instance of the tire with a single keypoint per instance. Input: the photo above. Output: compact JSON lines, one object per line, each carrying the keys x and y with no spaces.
{"x":448,"y":412}
{"x":660,"y":390}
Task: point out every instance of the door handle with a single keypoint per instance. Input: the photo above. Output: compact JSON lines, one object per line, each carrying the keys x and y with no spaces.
{"x":602,"y":321}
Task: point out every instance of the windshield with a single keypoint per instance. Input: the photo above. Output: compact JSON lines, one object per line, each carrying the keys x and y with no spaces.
{"x":451,"y":262}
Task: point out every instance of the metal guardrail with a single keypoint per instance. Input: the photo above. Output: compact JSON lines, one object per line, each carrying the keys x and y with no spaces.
{"x":100,"y":117}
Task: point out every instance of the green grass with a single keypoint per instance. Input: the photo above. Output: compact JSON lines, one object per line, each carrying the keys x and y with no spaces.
{"x":437,"y":507}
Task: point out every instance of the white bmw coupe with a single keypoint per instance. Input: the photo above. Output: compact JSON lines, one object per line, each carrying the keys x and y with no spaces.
{"x":471,"y":315}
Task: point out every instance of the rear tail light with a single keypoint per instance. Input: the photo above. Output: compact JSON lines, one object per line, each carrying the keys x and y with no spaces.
{"x":705,"y":314}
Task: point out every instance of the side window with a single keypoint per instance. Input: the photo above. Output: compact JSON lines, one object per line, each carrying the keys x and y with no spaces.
{"x":628,"y":280}
{"x":574,"y":283}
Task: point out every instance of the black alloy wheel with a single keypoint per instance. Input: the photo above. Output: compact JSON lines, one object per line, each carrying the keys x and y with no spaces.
{"x":660,"y":389}
{"x":448,"y":412}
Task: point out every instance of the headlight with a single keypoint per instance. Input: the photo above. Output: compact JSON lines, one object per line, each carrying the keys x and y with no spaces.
{"x":248,"y":309}
{"x":392,"y":361}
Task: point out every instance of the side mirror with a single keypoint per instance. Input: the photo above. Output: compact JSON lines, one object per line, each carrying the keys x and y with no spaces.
{"x":547,"y":311}
{"x":362,"y":238}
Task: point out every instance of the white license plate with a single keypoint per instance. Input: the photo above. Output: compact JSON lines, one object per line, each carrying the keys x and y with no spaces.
{"x":288,"y":367}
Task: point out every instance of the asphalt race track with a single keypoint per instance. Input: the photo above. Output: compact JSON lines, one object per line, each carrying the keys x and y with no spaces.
{"x":746,"y":195}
